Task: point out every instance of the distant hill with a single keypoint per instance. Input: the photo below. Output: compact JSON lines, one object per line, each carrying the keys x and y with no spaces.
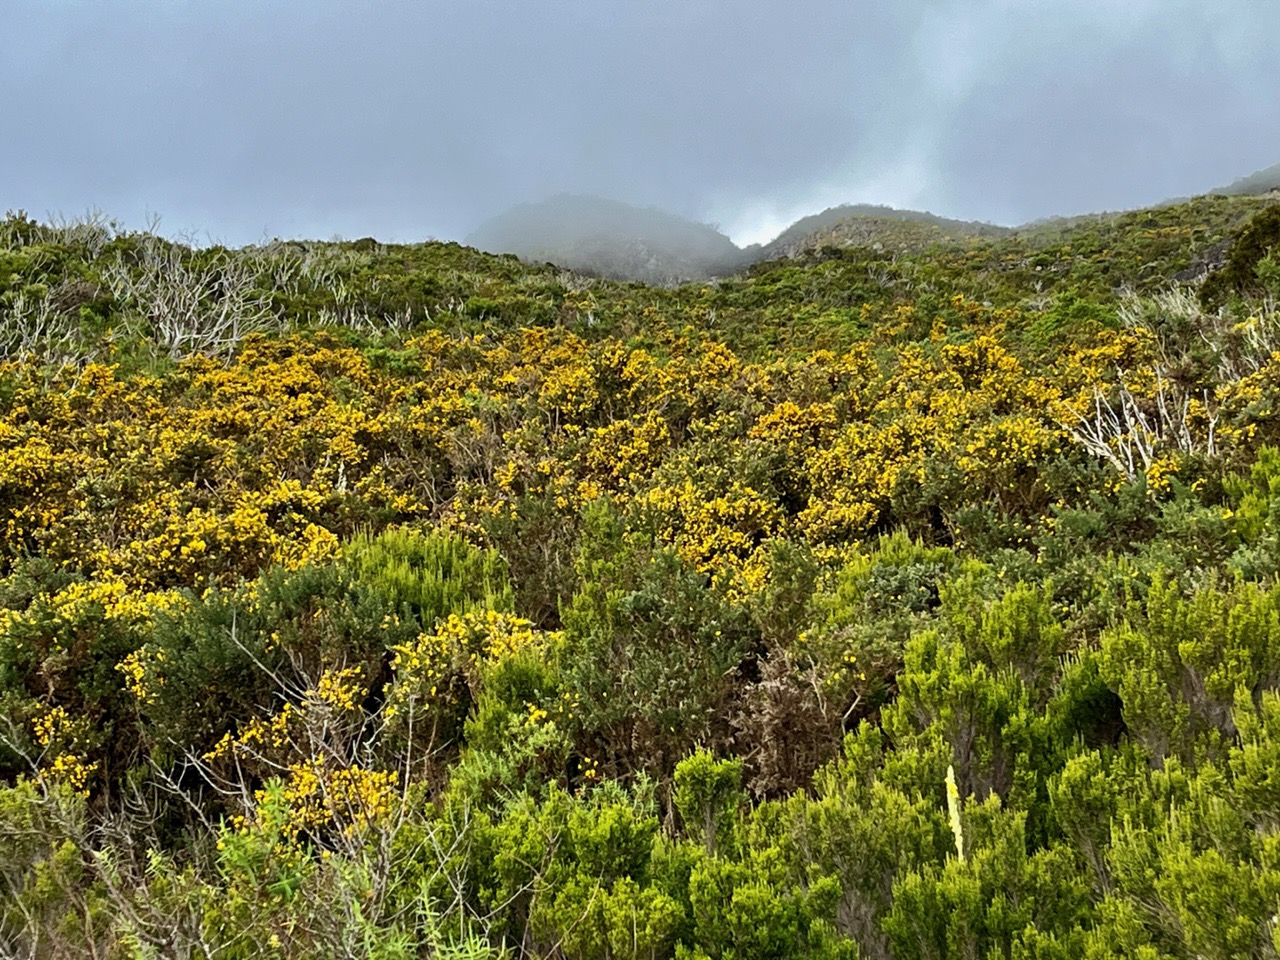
{"x":611,"y":239}
{"x":868,"y":224}
{"x":1264,"y":181}
{"x":617,"y":241}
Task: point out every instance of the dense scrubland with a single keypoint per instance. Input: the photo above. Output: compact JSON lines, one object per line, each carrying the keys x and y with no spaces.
{"x":912,"y":597}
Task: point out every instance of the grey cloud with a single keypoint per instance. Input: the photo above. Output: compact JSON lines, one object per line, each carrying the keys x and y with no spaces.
{"x":412,"y":119}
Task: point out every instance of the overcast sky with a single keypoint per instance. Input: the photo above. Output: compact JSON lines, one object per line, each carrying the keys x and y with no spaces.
{"x":405,"y":120}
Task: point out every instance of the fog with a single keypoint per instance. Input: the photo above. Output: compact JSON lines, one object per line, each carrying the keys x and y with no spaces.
{"x":404,"y":120}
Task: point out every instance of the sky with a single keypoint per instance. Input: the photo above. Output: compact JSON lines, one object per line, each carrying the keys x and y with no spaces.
{"x":238,"y":121}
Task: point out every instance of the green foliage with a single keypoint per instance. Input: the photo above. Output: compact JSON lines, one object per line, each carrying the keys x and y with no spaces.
{"x":1250,"y":253}
{"x":1255,"y":516}
{"x":865,"y":615}
{"x":433,"y":575}
{"x":1178,"y":664}
{"x":518,"y":734}
{"x":708,"y":795}
{"x":981,"y":684}
{"x":44,"y":891}
{"x":996,"y":901}
{"x":650,"y":649}
{"x":236,"y":653}
{"x":1071,"y":316}
{"x":916,"y":601}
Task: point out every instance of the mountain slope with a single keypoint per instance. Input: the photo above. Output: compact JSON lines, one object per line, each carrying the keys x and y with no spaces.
{"x":866,"y":224}
{"x":1264,"y":181}
{"x":611,"y":239}
{"x":488,"y":610}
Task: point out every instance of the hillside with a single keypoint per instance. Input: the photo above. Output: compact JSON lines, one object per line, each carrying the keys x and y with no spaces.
{"x":614,"y":241}
{"x":892,"y":601}
{"x":1264,"y":181}
{"x":610,"y":239}
{"x":867,"y":224}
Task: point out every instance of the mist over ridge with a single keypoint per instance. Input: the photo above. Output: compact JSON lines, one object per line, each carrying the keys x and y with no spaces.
{"x":405,"y":120}
{"x":612,"y":239}
{"x":604,"y":237}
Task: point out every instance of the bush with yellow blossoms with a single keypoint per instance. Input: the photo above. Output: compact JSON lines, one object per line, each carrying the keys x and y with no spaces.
{"x":910,"y":596}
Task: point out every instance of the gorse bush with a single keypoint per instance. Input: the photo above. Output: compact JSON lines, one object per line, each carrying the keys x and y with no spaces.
{"x":401,"y":601}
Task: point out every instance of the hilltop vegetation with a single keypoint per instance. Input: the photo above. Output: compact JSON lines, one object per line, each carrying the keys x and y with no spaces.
{"x":867,"y":224}
{"x":610,"y":240}
{"x":408,"y":601}
{"x":1263,"y":181}
{"x":617,"y":241}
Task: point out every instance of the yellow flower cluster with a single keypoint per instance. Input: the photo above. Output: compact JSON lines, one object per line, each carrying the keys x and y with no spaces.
{"x":272,"y":735}
{"x":460,"y":649}
{"x":203,"y":477}
{"x":141,"y":675}
{"x":59,"y":736}
{"x":350,"y":798}
{"x":303,"y":729}
{"x":721,"y":534}
{"x":315,"y":795}
{"x":341,"y":689}
{"x":973,"y":405}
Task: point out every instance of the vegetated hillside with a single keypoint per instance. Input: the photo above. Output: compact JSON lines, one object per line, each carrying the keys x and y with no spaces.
{"x":407,"y":601}
{"x":868,"y":224}
{"x":1264,"y":181}
{"x":611,"y":239}
{"x":604,"y":238}
{"x":608,"y":239}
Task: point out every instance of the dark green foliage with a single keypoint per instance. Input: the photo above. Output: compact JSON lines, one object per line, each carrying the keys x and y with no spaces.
{"x":650,"y":651}
{"x":234,"y":654}
{"x":1243,"y":274}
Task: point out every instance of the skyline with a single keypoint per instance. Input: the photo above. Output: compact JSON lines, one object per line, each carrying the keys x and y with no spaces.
{"x":412,"y":120}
